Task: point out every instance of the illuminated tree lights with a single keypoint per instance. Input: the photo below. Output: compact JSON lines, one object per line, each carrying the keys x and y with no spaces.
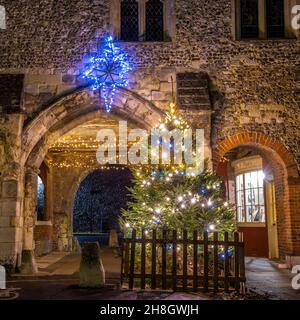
{"x":168,"y":197}
{"x":107,"y":70}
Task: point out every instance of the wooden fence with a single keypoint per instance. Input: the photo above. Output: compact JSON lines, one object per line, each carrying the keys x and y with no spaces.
{"x":164,"y":259}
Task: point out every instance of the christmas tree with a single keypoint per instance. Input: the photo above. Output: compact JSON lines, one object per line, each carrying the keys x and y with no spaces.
{"x":168,"y":197}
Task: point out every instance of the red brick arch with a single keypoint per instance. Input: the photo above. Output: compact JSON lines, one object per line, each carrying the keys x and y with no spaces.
{"x":281,"y":162}
{"x":257,"y":139}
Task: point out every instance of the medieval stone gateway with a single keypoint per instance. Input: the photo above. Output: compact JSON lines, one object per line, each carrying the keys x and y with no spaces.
{"x":240,"y":85}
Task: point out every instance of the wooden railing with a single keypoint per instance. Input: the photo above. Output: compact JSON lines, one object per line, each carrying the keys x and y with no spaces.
{"x":181,"y":261}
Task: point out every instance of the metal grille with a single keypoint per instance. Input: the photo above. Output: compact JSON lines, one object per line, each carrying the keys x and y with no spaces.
{"x":275,"y":18}
{"x":249,"y":18}
{"x":154,"y":20}
{"x":129,"y":20}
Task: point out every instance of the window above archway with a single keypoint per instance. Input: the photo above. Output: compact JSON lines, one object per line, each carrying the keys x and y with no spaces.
{"x":263,"y":19}
{"x":142,"y":20}
{"x":154,"y":20}
{"x":249,"y":18}
{"x":275,"y":18}
{"x":129,"y":20}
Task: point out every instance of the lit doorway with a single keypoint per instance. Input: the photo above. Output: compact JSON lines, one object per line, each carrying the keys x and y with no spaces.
{"x":252,"y":190}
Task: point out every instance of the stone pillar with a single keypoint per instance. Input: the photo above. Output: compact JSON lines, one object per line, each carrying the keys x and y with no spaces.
{"x":28,"y":265}
{"x":10,"y":221}
{"x":2,"y":278}
{"x":11,"y":179}
{"x":62,"y":241}
{"x":91,"y":274}
{"x":113,"y":239}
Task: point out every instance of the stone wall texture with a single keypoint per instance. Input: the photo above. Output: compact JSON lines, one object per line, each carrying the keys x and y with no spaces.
{"x":256,"y":83}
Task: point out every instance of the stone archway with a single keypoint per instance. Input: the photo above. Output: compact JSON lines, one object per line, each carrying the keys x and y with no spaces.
{"x":66,"y":242}
{"x":61,"y":116}
{"x":286,"y":178}
{"x":77,"y":105}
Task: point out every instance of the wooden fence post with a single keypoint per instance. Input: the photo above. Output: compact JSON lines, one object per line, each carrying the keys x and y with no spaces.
{"x":126,"y":258}
{"x":236,"y":262}
{"x":164,"y":259}
{"x":184,"y":260}
{"x":242,"y":262}
{"x":195,"y":261}
{"x":205,"y":262}
{"x":122,"y":263}
{"x":132,"y":260}
{"x":226,"y":263}
{"x":174,"y":260}
{"x":153,"y":264}
{"x":216,"y":262}
{"x":143,"y":259}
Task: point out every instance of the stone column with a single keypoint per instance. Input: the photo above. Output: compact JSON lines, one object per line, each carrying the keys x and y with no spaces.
{"x":11,"y":223}
{"x":113,"y":239}
{"x":91,"y":273}
{"x":28,"y":265}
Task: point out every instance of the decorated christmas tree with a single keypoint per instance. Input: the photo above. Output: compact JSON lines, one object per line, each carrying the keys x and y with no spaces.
{"x":167,"y":196}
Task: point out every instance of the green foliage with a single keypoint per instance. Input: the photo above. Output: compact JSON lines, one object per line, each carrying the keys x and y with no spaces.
{"x":166,"y":197}
{"x":169,"y":198}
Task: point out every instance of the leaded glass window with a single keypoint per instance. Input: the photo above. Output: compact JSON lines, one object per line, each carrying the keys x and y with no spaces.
{"x":129,"y":20}
{"x":249,"y":18}
{"x":275,"y":18}
{"x":250,"y":201}
{"x":154,"y":20}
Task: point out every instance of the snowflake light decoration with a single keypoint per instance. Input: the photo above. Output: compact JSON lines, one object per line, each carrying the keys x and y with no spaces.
{"x":107,"y":70}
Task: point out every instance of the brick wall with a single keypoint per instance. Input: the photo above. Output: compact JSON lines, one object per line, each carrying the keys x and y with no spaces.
{"x":278,"y":161}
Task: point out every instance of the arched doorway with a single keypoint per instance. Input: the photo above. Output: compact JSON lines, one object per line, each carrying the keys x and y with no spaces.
{"x":52,"y":122}
{"x":257,"y":171}
{"x":75,"y":108}
{"x":251,"y":187}
{"x":98,"y":203}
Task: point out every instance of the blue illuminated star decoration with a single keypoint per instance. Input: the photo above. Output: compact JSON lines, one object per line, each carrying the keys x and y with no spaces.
{"x":107,"y":70}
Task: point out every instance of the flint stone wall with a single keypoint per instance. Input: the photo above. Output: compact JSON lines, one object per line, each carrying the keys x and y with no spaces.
{"x":255,"y":84}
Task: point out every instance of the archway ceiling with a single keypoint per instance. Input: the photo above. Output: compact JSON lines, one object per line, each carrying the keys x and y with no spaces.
{"x":83,"y":137}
